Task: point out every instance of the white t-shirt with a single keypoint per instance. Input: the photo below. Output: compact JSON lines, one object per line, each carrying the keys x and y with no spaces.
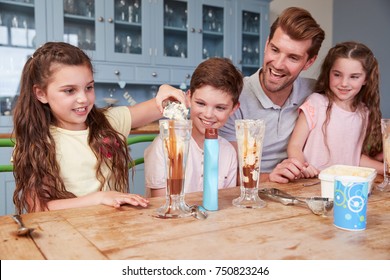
{"x":76,"y":159}
{"x":155,"y":173}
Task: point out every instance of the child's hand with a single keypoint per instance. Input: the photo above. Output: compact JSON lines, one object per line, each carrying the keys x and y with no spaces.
{"x":310,"y":172}
{"x":167,"y":92}
{"x":116,"y":199}
{"x":288,"y":170}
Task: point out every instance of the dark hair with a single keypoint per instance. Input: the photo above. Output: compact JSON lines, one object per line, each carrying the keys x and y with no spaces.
{"x":369,"y":94}
{"x":36,"y":170}
{"x":299,"y":25}
{"x":219,"y":73}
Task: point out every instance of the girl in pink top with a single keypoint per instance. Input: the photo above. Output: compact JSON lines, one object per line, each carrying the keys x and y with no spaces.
{"x":340,"y":122}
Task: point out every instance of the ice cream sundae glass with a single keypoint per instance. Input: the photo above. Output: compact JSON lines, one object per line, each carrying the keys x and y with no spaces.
{"x":250,"y":135}
{"x":385,"y":185}
{"x":175,"y":134}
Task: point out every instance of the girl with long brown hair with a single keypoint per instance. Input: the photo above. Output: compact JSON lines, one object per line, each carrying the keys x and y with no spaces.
{"x":340,"y":122}
{"x":68,"y":152}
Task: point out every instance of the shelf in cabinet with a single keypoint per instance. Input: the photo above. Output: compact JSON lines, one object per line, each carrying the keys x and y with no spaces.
{"x":251,"y":34}
{"x":213,"y":35}
{"x":175,"y":29}
{"x":126,"y":24}
{"x":77,"y":18}
{"x":17,"y":47}
{"x":21,"y":5}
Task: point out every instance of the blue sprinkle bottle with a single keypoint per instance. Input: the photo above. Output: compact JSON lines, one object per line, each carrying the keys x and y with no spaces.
{"x":210,"y":172}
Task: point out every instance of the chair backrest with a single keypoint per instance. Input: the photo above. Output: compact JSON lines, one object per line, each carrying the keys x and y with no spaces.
{"x":139,"y":139}
{"x":6,"y":142}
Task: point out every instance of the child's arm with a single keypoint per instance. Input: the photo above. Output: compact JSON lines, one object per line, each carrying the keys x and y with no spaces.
{"x":151,"y":110}
{"x":366,"y":161}
{"x":298,"y":138}
{"x":110,"y":198}
{"x":296,"y":144}
{"x":154,"y":163}
{"x":158,"y":192}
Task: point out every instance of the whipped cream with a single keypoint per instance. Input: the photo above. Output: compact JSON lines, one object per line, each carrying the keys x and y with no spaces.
{"x":175,"y":111}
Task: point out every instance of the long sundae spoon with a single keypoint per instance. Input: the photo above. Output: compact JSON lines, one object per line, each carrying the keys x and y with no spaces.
{"x":22,"y":230}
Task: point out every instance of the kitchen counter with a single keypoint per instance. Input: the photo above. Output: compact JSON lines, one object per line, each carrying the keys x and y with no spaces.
{"x":151,"y":128}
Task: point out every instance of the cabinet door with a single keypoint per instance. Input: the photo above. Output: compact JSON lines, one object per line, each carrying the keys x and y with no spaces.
{"x":172,"y":39}
{"x":111,"y":30}
{"x":77,"y":23}
{"x":19,"y":22}
{"x":191,"y":31}
{"x":217,"y":38}
{"x":127,"y":28}
{"x":252,"y":19}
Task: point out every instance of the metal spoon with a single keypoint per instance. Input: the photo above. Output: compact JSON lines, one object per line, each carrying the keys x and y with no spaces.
{"x":22,"y":230}
{"x":198,"y":212}
{"x":318,"y":205}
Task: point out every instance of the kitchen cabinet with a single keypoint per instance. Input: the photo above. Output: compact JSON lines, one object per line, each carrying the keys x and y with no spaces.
{"x":113,"y":30}
{"x":20,"y":25}
{"x":253,"y":27}
{"x":191,"y":31}
{"x":135,"y":41}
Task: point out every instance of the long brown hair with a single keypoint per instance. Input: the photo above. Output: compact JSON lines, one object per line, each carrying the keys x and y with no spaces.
{"x":36,"y":170}
{"x":368,"y":96}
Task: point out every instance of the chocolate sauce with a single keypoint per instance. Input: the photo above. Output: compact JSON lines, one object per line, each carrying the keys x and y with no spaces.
{"x":174,"y":186}
{"x":175,"y":156}
{"x":248,"y":173}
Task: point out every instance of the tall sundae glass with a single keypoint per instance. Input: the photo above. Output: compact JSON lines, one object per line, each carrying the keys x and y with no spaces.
{"x":175,"y":135}
{"x":385,"y":185}
{"x":250,"y":135}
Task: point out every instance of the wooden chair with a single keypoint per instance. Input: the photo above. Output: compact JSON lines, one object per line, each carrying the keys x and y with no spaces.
{"x":6,"y":142}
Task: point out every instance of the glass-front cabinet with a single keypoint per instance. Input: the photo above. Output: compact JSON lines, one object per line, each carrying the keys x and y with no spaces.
{"x":252,"y":19}
{"x":133,"y":41}
{"x":111,"y":30}
{"x":19,"y":22}
{"x":191,"y":31}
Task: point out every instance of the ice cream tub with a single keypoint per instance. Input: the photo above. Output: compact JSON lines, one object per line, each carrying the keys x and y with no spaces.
{"x":327,"y":177}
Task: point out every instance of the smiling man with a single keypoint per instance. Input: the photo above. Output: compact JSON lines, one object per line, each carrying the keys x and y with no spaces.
{"x":275,"y":91}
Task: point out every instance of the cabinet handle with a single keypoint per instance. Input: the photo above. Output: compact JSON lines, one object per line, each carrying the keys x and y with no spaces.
{"x":192,"y":30}
{"x":110,"y":20}
{"x":116,"y":72}
{"x":200,"y":30}
{"x":101,"y":19}
{"x":154,"y":74}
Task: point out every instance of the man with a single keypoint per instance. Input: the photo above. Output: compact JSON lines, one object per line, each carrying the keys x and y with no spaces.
{"x":275,"y":91}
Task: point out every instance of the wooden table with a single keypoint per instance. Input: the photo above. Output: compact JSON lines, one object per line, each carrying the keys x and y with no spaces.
{"x":274,"y":232}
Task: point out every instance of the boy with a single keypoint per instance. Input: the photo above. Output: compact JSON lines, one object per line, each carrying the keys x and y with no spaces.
{"x":215,"y":87}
